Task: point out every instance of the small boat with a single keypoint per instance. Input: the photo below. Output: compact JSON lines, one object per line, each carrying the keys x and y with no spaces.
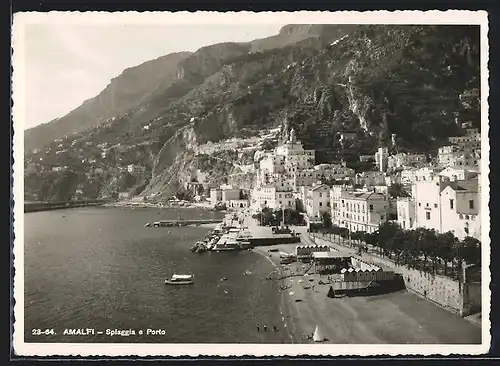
{"x":180,"y":280}
{"x":224,"y":279}
{"x":148,"y":225}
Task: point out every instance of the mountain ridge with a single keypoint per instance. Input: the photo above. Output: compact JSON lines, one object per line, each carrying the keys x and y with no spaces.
{"x":418,"y":82}
{"x":184,"y":68}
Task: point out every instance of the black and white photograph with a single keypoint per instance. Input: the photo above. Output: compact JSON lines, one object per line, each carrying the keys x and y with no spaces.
{"x":266,"y":184}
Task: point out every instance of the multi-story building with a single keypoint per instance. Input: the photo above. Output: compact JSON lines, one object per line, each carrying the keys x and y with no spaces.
{"x":460,"y":155}
{"x":272,"y":197}
{"x":471,"y":135}
{"x":461,"y":173}
{"x":362,"y":211}
{"x":408,"y":175}
{"x":296,"y":157}
{"x":406,"y":212}
{"x":426,"y":191}
{"x":405,"y":160}
{"x":224,"y":194}
{"x":463,"y":151}
{"x":317,"y":200}
{"x":370,"y":179}
{"x":460,"y":203}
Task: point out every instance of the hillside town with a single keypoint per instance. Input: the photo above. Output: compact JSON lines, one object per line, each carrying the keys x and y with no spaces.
{"x":405,"y":188}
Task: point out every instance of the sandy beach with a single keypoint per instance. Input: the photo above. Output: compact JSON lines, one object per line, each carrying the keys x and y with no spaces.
{"x":396,"y":318}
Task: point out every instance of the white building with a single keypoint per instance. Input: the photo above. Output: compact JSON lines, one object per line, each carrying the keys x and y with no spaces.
{"x":362,"y":211}
{"x":406,"y":212}
{"x":459,"y":173}
{"x":317,"y":200}
{"x":335,"y":202}
{"x":402,"y":160}
{"x":296,"y":157}
{"x":460,"y":202}
{"x":215,"y":196}
{"x":408,"y":176}
{"x":426,"y":191}
{"x":224,"y":194}
{"x":464,"y":154}
{"x":271,"y":197}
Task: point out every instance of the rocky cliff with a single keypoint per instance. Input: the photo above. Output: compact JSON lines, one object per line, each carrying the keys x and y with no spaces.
{"x":418,"y":82}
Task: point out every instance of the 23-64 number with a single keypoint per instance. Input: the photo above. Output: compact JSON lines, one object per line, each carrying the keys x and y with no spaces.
{"x":38,"y":332}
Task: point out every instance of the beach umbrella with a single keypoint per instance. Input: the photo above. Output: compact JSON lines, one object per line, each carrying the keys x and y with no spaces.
{"x":318,"y":336}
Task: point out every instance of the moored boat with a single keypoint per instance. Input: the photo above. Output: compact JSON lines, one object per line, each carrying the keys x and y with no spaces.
{"x":179,"y":280}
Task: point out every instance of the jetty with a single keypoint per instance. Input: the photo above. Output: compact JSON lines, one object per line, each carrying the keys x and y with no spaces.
{"x":180,"y":222}
{"x":59,"y":205}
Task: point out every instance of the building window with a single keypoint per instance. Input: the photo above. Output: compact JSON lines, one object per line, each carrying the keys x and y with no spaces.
{"x":427,"y":215}
{"x":321,"y":204}
{"x":419,"y":204}
{"x":371,"y":208}
{"x":328,"y":204}
{"x":467,"y":217}
{"x":435,"y":205}
{"x":471,"y":204}
{"x":461,"y":216}
{"x":320,"y":195}
{"x":427,"y":204}
{"x":451,"y":204}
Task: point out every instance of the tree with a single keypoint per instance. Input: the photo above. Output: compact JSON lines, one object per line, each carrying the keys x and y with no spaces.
{"x":299,"y":205}
{"x":445,"y":244}
{"x":471,"y":252}
{"x":327,"y":219}
{"x":397,"y":244}
{"x":386,"y":230}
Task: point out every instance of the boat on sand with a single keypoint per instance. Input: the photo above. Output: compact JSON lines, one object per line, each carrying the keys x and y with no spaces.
{"x":179,"y":280}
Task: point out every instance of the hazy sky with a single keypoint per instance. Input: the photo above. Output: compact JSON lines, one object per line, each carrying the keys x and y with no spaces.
{"x":66,"y":64}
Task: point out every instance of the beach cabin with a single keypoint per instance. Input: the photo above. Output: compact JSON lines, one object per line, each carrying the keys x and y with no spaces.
{"x":330,"y":262}
{"x":306,"y":251}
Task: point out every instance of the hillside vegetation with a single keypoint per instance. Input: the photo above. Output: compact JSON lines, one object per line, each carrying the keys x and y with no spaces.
{"x":418,"y":82}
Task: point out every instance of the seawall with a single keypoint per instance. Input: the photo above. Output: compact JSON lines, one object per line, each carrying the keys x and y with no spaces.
{"x":47,"y":206}
{"x":458,"y":297}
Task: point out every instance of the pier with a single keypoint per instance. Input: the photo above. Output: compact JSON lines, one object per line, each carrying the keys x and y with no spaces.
{"x":169,"y":223}
{"x":59,"y":205}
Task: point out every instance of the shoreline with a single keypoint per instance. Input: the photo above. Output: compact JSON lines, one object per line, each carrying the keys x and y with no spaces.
{"x":134,"y":204}
{"x":289,"y":315}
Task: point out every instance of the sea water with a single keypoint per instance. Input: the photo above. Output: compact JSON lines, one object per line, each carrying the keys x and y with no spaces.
{"x":101,"y":269}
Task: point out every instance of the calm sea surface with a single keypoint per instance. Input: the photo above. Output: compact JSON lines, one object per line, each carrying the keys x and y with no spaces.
{"x":101,"y":268}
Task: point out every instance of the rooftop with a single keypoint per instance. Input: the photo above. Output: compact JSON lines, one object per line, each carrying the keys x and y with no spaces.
{"x":362,"y":195}
{"x":465,"y":185}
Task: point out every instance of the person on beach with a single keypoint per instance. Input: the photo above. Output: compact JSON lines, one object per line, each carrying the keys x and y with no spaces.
{"x":275,"y":328}
{"x":265,"y":327}
{"x":258,"y":328}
